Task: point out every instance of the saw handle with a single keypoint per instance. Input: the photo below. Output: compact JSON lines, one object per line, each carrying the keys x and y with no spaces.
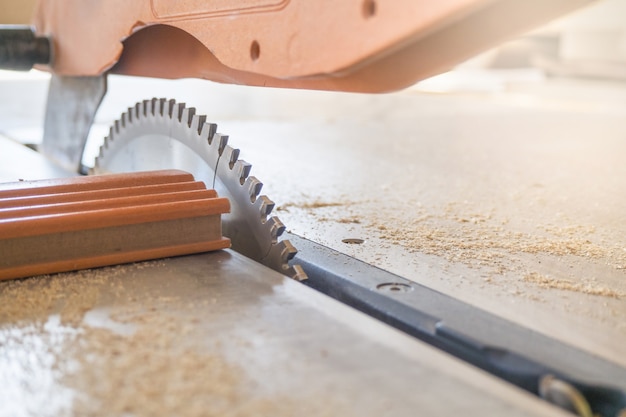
{"x":21,"y":49}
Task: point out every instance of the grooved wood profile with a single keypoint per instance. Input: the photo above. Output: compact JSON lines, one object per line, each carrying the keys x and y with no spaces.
{"x":65,"y":224}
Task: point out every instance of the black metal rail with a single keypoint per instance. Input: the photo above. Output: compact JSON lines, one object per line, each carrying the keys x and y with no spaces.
{"x":502,"y":348}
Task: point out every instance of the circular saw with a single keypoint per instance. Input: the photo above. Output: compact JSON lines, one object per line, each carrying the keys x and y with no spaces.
{"x":160,"y":133}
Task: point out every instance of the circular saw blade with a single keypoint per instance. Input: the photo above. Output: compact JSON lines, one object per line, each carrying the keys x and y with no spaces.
{"x":161,"y":134}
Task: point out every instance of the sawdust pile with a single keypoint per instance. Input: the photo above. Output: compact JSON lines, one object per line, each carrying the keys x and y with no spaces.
{"x":476,"y":242}
{"x":33,"y":300}
{"x":54,"y":362}
{"x":309,"y":205}
{"x":475,"y":237}
{"x":568,"y":285}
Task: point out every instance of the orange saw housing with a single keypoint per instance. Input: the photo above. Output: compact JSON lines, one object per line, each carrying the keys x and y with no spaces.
{"x":347,"y":45}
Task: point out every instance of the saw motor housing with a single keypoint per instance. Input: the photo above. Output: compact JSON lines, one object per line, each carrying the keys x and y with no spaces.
{"x":353,"y":45}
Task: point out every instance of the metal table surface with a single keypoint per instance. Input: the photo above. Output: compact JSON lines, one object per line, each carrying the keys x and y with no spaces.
{"x":215,"y":334}
{"x":218,"y":334}
{"x":18,"y":162}
{"x":513,"y":203}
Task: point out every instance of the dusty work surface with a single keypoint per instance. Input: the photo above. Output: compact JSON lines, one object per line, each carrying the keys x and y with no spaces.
{"x":518,"y":210}
{"x":512,"y":201}
{"x":218,"y":334}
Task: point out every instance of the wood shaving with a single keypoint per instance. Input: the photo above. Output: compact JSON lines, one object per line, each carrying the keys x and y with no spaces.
{"x":566,"y":285}
{"x":141,"y":365}
{"x":308,"y":205}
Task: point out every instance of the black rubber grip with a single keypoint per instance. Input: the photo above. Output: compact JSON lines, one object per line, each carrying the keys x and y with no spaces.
{"x":20,"y":48}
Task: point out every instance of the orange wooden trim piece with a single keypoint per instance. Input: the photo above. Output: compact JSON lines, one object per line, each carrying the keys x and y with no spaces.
{"x":68,"y":197}
{"x":81,"y":222}
{"x":97,"y":219}
{"x":91,"y":205}
{"x":92,"y":182}
{"x":112,"y":259}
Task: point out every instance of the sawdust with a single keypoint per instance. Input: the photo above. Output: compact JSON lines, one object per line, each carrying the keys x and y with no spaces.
{"x":308,"y":205}
{"x":489,"y":245}
{"x":567,"y":285}
{"x":460,"y":232}
{"x":33,"y":300}
{"x":480,"y":239}
{"x":349,"y":220}
{"x":140,"y":365}
{"x":172,"y":379}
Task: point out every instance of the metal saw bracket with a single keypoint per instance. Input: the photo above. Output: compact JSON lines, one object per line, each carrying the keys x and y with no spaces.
{"x":70,"y":111}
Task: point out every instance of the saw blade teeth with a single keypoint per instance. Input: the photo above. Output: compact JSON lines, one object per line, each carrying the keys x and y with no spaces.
{"x":145,"y":107}
{"x":296,"y":272}
{"x":116,"y":126}
{"x":186,"y":116}
{"x":170,"y":108}
{"x":207,"y":131}
{"x":254,"y":187}
{"x":233,"y":156}
{"x":265,"y":206}
{"x":222,"y":142}
{"x":123,"y":120}
{"x":288,"y":251}
{"x":177,"y":111}
{"x":243,"y":170}
{"x":153,"y":106}
{"x":197,"y":121}
{"x":276,"y":227}
{"x":162,"y":107}
{"x":138,"y":110}
{"x":278,"y":258}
